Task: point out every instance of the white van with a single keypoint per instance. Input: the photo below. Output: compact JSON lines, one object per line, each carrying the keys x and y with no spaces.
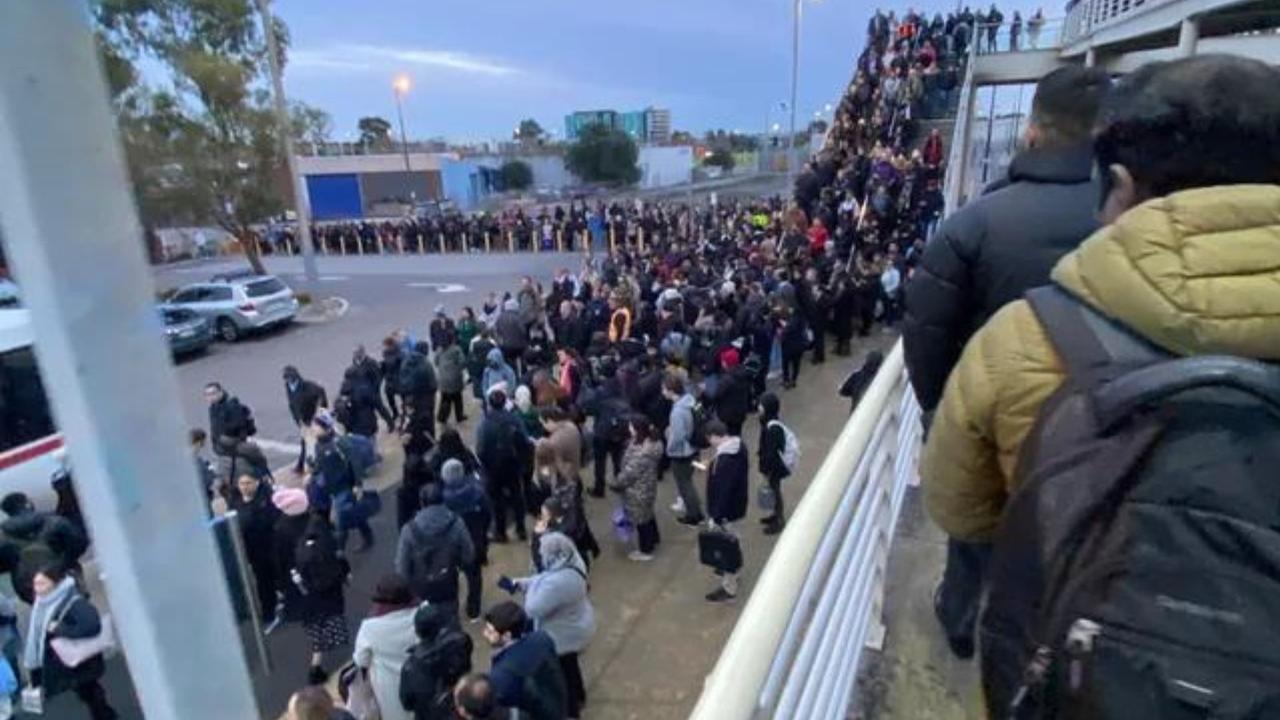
{"x":30,"y":444}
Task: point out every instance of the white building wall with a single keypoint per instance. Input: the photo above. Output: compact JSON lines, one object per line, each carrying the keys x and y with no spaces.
{"x":388,"y":162}
{"x":665,"y":166}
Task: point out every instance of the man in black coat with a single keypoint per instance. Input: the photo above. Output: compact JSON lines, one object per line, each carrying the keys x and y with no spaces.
{"x":727,"y":484}
{"x":305,"y":398}
{"x":230,"y":424}
{"x":988,"y":254}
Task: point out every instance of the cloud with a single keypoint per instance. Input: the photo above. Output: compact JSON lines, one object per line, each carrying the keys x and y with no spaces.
{"x":357,"y":57}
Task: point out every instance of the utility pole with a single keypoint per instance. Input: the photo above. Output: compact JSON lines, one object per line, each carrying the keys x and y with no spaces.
{"x":795,"y":81}
{"x":401,"y":86}
{"x":301,"y":202}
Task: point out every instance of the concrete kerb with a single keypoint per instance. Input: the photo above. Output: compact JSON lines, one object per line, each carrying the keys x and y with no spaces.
{"x":330,"y":308}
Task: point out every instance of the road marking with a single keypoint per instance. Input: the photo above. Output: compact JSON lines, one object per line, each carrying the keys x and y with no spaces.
{"x":277,"y":446}
{"x":333,"y":278}
{"x":440,"y":287}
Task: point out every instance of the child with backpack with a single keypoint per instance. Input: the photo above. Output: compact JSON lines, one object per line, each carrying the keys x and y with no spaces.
{"x":778,"y":454}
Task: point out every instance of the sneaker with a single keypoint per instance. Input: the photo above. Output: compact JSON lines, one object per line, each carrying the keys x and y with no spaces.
{"x":677,"y":507}
{"x":960,"y":646}
{"x":317,"y":676}
{"x":637,"y":556}
{"x":690,"y":521}
{"x":720,"y":595}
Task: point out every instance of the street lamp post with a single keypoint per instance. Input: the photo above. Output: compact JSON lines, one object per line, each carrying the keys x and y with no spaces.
{"x":401,"y":86}
{"x":301,"y":201}
{"x":795,"y":81}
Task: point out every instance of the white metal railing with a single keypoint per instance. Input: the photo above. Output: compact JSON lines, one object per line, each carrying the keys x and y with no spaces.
{"x":795,"y":650}
{"x":953,"y":182}
{"x":1087,"y":16}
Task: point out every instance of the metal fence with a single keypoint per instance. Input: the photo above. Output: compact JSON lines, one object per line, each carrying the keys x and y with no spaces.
{"x":795,"y":650}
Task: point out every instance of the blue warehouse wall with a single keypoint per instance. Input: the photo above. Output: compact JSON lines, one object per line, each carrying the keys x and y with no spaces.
{"x":457,"y":179}
{"x":334,"y":197}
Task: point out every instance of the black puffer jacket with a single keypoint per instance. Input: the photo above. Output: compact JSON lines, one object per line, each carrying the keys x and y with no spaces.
{"x":992,"y":251}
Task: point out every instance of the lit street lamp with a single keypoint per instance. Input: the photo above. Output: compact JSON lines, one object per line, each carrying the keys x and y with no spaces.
{"x":401,"y":86}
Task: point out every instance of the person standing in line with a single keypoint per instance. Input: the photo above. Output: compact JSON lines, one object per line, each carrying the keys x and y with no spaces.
{"x":289,"y":529}
{"x":383,"y":643}
{"x":433,"y":550}
{"x":465,"y":497}
{"x":441,"y":328}
{"x":638,"y":486}
{"x":556,"y":600}
{"x":305,"y":399}
{"x":320,"y":574}
{"x":441,"y":657}
{"x":681,"y":450}
{"x":500,"y":445}
{"x":257,"y":516}
{"x":1015,"y":30}
{"x":1034,"y":25}
{"x":315,"y":703}
{"x":727,"y":483}
{"x":526,"y":671}
{"x":60,"y":610}
{"x":773,"y":443}
{"x":474,"y":699}
{"x":451,"y":367}
{"x":994,"y":19}
{"x":468,"y":328}
{"x":794,"y":338}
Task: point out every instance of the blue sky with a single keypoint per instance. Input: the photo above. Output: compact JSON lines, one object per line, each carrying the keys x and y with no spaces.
{"x":479,"y":66}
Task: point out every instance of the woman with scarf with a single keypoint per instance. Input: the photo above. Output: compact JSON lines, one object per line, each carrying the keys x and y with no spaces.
{"x":383,"y":643}
{"x":61,"y":611}
{"x":556,"y":600}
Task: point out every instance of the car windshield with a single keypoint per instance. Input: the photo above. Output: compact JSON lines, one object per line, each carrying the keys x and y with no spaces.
{"x":173,"y":316}
{"x":259,"y":288}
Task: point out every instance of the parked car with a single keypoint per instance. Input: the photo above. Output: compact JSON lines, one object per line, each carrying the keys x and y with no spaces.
{"x":187,"y":332}
{"x":237,"y":303}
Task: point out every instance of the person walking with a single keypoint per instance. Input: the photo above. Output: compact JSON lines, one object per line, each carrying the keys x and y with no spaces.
{"x":320,"y":575}
{"x":370,"y":371}
{"x":465,"y":497}
{"x":433,"y":550}
{"x":680,"y":448}
{"x":231,"y":425}
{"x":441,"y":657}
{"x":500,"y":444}
{"x":290,"y":527}
{"x":727,"y":483}
{"x":305,"y":398}
{"x":638,"y":486}
{"x":451,"y":367}
{"x":60,"y":610}
{"x":383,"y":643}
{"x":356,"y":406}
{"x":526,"y":672}
{"x":393,"y":353}
{"x":440,"y":329}
{"x":556,"y":600}
{"x":417,"y":385}
{"x":498,"y":374}
{"x":340,"y":484}
{"x":986,"y":255}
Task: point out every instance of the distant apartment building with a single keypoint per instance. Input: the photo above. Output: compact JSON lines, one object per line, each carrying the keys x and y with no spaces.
{"x":657,"y":123}
{"x":648,"y":126}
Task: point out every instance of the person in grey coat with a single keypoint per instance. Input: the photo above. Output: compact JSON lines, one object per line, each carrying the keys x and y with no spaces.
{"x":512,"y":332}
{"x":680,"y":449}
{"x":556,"y":599}
{"x":434,"y":548}
{"x":451,"y":369}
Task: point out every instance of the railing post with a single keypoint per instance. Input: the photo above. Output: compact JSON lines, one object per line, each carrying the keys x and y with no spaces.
{"x":511,"y":242}
{"x":381,"y":249}
{"x":342,"y":240}
{"x":559,"y":240}
{"x":442,"y":243}
{"x":487,"y":247}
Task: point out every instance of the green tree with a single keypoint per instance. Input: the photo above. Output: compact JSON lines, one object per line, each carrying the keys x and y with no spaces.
{"x":721,"y":158}
{"x":310,"y":125}
{"x":202,"y":141}
{"x":603,"y":154}
{"x":375,"y":133}
{"x":516,"y":175}
{"x":681,"y":137}
{"x":529,"y":131}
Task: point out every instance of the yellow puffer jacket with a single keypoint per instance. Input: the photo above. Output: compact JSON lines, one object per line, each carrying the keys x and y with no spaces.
{"x":1197,"y":273}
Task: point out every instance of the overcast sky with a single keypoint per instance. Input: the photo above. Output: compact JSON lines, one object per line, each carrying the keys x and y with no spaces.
{"x":479,"y":66}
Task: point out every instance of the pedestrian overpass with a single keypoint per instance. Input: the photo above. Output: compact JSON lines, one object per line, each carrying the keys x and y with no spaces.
{"x":840,"y":623}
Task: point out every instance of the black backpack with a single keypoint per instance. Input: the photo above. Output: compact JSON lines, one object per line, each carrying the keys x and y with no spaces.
{"x":698,"y":438}
{"x":1136,"y":571}
{"x":435,"y":577}
{"x":429,"y":674}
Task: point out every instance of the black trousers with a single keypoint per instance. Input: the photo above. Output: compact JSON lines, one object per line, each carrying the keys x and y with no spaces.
{"x":647,"y":536}
{"x":94,"y":697}
{"x":475,"y":586}
{"x":450,"y":401}
{"x":508,"y":500}
{"x":603,"y":450}
{"x":791,"y":368}
{"x":960,"y":595}
{"x":391,"y":401}
{"x":779,"y":515}
{"x":573,"y":680}
{"x":819,"y":344}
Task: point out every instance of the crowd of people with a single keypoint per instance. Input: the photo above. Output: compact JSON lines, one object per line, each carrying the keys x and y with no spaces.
{"x":1093,"y":340}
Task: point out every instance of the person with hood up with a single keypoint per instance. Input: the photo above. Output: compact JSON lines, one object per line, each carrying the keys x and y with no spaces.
{"x":320,"y":575}
{"x":512,"y":333}
{"x":496,"y":370}
{"x":556,"y":600}
{"x":451,"y":367}
{"x":383,"y":643}
{"x":434,"y":548}
{"x":257,"y":516}
{"x":36,"y":539}
{"x":465,"y":497}
{"x":441,"y":657}
{"x":727,"y":481}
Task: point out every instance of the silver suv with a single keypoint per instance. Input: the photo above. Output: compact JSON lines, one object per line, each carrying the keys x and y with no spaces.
{"x":240,"y":303}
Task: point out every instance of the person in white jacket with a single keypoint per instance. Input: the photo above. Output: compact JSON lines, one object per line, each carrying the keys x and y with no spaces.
{"x":556,"y":599}
{"x":384,"y":641}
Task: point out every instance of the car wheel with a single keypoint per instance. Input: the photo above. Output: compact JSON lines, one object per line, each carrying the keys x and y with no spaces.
{"x":228,"y":331}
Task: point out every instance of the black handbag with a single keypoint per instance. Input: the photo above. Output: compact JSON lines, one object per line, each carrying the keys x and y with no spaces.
{"x":720,"y":550}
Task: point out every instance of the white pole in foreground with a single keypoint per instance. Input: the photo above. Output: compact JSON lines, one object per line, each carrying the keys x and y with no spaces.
{"x":301,"y":201}
{"x":75,"y":244}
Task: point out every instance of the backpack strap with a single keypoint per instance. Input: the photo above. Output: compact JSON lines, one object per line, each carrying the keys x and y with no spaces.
{"x":1085,"y":339}
{"x":1118,"y":399}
